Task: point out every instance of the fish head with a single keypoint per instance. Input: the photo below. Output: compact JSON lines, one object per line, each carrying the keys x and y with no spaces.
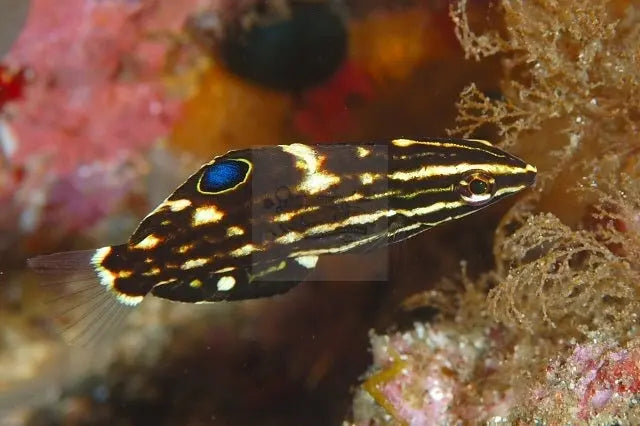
{"x":444,"y":179}
{"x":492,"y":175}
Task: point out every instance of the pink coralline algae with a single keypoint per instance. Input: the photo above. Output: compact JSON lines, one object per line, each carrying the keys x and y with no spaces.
{"x":427,"y":376}
{"x":97,"y":90}
{"x":603,"y":379}
{"x":96,"y":98}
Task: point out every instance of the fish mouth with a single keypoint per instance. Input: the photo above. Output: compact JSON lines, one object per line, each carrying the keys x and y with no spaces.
{"x":531,"y":174}
{"x":523,"y":176}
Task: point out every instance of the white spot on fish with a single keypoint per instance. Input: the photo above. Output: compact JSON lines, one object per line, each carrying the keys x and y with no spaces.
{"x":150,"y":242}
{"x":206,"y":215}
{"x":226,"y":283}
{"x":308,"y":262}
{"x":194,"y":263}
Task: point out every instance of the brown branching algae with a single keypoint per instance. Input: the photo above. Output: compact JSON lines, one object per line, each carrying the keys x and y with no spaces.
{"x":585,"y":279}
{"x":564,"y":60}
{"x":559,"y":311}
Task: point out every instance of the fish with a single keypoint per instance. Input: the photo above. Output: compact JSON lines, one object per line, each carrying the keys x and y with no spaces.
{"x":253,"y":223}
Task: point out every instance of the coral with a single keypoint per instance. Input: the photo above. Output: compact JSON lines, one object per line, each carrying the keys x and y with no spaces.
{"x":112,"y":72}
{"x":430,"y":374}
{"x":91,"y":100}
{"x":461,"y":368}
{"x":597,"y":383}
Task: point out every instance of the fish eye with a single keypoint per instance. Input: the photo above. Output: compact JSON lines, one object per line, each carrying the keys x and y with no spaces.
{"x":476,"y":187}
{"x":224,"y":175}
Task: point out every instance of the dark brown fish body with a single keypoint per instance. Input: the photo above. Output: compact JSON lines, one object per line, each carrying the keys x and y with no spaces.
{"x":252,"y":223}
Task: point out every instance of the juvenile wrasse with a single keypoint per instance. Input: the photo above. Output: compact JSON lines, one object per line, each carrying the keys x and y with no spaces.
{"x":253,"y":223}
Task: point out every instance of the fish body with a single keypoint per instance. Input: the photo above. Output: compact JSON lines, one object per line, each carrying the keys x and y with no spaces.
{"x":253,"y":223}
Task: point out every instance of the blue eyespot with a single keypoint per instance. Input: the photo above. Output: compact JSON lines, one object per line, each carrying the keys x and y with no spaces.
{"x":224,"y":175}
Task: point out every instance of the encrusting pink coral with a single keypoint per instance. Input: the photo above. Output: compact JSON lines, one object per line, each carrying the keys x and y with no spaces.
{"x":598,"y":382}
{"x":97,"y":89}
{"x":95,"y":100}
{"x":434,"y":374}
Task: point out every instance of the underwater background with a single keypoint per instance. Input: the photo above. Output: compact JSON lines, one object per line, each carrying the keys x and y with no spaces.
{"x":523,"y":313}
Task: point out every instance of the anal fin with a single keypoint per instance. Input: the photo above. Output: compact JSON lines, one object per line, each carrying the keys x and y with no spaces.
{"x":236,"y":283}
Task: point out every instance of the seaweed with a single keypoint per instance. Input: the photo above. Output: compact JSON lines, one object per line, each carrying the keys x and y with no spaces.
{"x":565,"y":60}
{"x":576,"y":279}
{"x":570,"y":86}
{"x":567,"y":255}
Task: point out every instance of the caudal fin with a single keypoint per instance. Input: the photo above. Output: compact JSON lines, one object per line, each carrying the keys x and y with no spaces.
{"x":85,"y":309}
